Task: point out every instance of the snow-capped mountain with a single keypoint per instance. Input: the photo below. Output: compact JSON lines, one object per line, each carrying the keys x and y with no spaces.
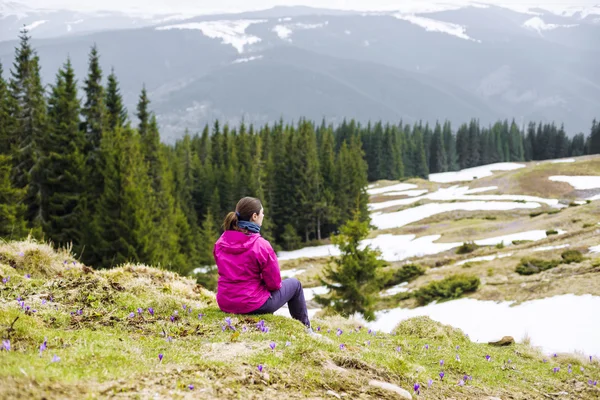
{"x":453,"y":63}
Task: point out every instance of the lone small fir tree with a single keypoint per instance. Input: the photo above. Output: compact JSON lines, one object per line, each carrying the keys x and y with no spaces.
{"x":351,"y":278}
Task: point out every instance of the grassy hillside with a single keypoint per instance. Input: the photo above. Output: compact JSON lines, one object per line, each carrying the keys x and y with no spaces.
{"x":75,"y":332}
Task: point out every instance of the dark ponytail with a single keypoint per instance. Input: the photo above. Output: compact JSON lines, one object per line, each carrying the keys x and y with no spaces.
{"x":244,"y":210}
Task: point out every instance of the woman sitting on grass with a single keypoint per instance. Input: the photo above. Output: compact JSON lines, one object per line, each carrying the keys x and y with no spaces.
{"x":249,"y":276}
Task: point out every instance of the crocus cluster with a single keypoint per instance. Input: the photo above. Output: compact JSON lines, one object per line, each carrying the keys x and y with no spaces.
{"x":228,"y":322}
{"x":261,"y":326}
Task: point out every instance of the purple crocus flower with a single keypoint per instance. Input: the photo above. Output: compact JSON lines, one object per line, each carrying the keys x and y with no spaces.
{"x":184,"y":307}
{"x":457,"y":347}
{"x":244,"y":329}
{"x":151,"y":311}
{"x":160,"y":357}
{"x":28,"y":276}
{"x":555,"y":355}
{"x":55,"y":359}
{"x":328,"y":330}
{"x":5,"y":280}
{"x":43,"y":302}
{"x":368,"y":342}
{"x":339,"y":332}
{"x":172,"y":318}
{"x":260,"y":368}
{"x":417,"y":388}
{"x":457,"y":358}
{"x":80,"y":312}
{"x":544,"y":361}
{"x":342,"y":346}
{"x":467,"y":378}
{"x":228,"y":320}
{"x":131,"y":315}
{"x":22,"y":254}
{"x":398,"y":349}
{"x":288,"y":344}
{"x":169,"y":339}
{"x":442,"y":375}
{"x":318,"y":329}
{"x":369,"y":331}
{"x":223,"y":327}
{"x":189,"y":310}
{"x":272,"y":345}
{"x":140,"y":310}
{"x":43,"y":346}
{"x":265,"y":329}
{"x":426,"y":347}
{"x":590,"y":358}
{"x":581,"y":369}
{"x":441,"y":363}
{"x":509,"y":361}
{"x":556,"y":369}
{"x":6,"y":344}
{"x":461,"y":383}
{"x":200,"y":316}
{"x":191,"y":387}
{"x":488,"y":357}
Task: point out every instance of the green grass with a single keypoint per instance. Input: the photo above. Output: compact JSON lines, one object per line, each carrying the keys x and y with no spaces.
{"x":104,"y":353}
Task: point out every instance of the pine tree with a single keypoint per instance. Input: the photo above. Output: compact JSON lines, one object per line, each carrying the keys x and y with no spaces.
{"x":351,"y":278}
{"x":450,"y":144}
{"x":94,"y":110}
{"x":29,"y":131}
{"x":65,"y":167}
{"x":419,"y":155}
{"x":208,"y":237}
{"x":117,"y":113}
{"x":594,"y":141}
{"x":143,"y":113}
{"x":438,"y":160}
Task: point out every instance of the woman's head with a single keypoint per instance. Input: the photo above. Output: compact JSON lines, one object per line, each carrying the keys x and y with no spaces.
{"x":247,"y":209}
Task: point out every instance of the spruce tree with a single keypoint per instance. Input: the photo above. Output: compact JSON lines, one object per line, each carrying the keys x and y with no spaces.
{"x":594,"y":139}
{"x":351,"y":278}
{"x":65,"y":167}
{"x":94,"y":110}
{"x":117,"y":113}
{"x":438,"y":160}
{"x":30,"y":131}
{"x":208,"y":237}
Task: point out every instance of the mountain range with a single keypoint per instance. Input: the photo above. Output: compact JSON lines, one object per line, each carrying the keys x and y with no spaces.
{"x":478,"y":61}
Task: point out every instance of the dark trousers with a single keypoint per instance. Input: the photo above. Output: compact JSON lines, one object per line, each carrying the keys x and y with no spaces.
{"x":291,"y":293}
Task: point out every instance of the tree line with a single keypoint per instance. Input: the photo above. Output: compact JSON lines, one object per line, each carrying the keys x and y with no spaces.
{"x":78,"y":171}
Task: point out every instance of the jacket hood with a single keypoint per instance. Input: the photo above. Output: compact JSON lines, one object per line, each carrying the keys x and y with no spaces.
{"x":234,"y":242}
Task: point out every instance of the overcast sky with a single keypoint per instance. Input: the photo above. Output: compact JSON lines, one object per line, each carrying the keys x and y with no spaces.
{"x":209,"y":6}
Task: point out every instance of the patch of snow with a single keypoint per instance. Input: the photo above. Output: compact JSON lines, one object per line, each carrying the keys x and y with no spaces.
{"x":473,"y":173}
{"x":594,"y":198}
{"x":285,"y":31}
{"x":432,"y":25}
{"x":408,"y":216}
{"x":484,"y":258}
{"x":547,"y":248}
{"x":402,"y":247}
{"x":393,"y":188}
{"x":564,"y":160}
{"x":580,"y":202}
{"x":244,"y":60}
{"x":537,"y":24}
{"x":231,"y":32}
{"x":201,"y":270}
{"x":579,"y":182}
{"x":34,"y":25}
{"x":309,"y":293}
{"x":401,"y":288}
{"x":290,"y":273}
{"x":285,"y":312}
{"x":508,"y":239}
{"x":408,"y":193}
{"x":485,"y":321}
{"x":595,"y":249}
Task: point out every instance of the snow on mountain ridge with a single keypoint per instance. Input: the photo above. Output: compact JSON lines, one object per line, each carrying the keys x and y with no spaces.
{"x":231,"y":32}
{"x":433,"y":25}
{"x":285,"y":31}
{"x":538,"y":24}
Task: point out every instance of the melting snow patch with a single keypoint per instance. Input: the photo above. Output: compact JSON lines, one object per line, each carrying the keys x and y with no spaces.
{"x":290,"y":273}
{"x":285,"y":31}
{"x":547,"y":248}
{"x":433,"y":25}
{"x":34,"y":25}
{"x":245,"y":60}
{"x":401,"y":288}
{"x":393,"y":188}
{"x":230,"y":32}
{"x":579,"y":182}
{"x":484,"y":258}
{"x":408,"y":216}
{"x":537,"y":24}
{"x":564,"y":160}
{"x":309,"y":293}
{"x":508,"y":239}
{"x":473,"y":173}
{"x":485,"y":321}
{"x":595,"y":249}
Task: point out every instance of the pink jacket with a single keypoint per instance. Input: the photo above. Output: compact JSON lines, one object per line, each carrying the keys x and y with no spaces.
{"x":248,"y":271}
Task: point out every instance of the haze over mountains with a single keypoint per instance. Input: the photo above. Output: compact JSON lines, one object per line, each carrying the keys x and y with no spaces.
{"x":455,"y":63}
